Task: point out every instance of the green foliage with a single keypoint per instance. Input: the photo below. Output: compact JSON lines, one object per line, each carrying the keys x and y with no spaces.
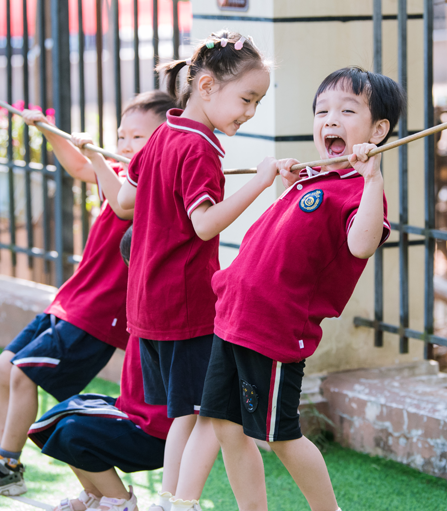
{"x":18,"y":139}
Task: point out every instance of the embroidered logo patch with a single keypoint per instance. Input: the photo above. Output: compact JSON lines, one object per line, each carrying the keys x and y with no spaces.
{"x":249,"y":396}
{"x":311,"y":201}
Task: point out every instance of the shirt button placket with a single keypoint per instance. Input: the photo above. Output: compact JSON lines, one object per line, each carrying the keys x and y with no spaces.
{"x":300,"y":187}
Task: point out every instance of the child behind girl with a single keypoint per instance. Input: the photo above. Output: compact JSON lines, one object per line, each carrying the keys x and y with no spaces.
{"x":179,"y":212}
{"x":67,"y":345}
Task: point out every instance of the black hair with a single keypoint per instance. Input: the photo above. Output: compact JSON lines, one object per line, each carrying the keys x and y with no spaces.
{"x":218,"y":55}
{"x":125,"y":245}
{"x":386,"y":98}
{"x":157,"y":101}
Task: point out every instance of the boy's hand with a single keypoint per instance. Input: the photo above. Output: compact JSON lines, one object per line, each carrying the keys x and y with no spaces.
{"x":267,"y":171}
{"x":32,"y":116}
{"x":288,"y":178}
{"x":369,"y":168}
{"x":79,"y":140}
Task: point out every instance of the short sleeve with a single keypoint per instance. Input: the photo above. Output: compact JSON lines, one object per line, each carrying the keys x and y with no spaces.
{"x":386,"y":224}
{"x":202,"y":180}
{"x":133,"y":170}
{"x":121,"y":174}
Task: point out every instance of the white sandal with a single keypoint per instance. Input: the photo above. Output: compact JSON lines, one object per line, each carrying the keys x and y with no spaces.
{"x":119,"y":504}
{"x":89,"y":500}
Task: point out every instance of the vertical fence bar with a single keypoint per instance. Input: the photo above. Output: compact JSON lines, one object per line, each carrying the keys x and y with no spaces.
{"x":429,"y":174}
{"x":62,"y":105}
{"x":136,"y":49}
{"x":28,"y":195}
{"x":10,"y":154}
{"x":116,"y":59}
{"x":43,"y":148}
{"x":155,"y":41}
{"x":378,"y":256}
{"x":99,"y":70}
{"x":176,"y":33}
{"x":84,"y":215}
{"x":403,"y":181}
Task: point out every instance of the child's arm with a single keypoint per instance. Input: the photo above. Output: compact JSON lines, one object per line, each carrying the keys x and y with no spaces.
{"x":110,"y":182}
{"x":76,"y":164}
{"x":366,"y":231}
{"x":126,"y":196}
{"x":209,"y":220}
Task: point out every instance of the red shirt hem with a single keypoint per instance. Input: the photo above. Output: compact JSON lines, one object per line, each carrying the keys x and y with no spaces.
{"x":259,"y":348}
{"x":86,"y":326}
{"x":174,"y":335}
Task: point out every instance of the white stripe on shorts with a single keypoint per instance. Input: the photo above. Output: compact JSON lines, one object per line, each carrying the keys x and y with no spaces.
{"x":37,"y":360}
{"x":274,"y":403}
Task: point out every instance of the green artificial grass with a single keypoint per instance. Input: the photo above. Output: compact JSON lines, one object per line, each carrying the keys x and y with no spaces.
{"x":361,"y":482}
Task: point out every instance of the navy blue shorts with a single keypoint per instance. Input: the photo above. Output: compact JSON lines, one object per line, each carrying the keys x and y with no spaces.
{"x":247,"y":388}
{"x":95,"y":436}
{"x":174,"y":373}
{"x":58,"y":356}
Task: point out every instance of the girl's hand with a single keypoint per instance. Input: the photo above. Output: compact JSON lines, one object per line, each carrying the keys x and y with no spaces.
{"x":369,"y":168}
{"x":32,"y":116}
{"x":267,"y":171}
{"x":288,"y":178}
{"x":79,"y":140}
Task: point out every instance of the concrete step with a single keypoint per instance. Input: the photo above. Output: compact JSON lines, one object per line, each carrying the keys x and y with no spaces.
{"x":395,"y":412}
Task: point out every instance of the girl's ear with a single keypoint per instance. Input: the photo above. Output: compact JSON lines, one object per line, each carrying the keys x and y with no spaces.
{"x":380,"y":131}
{"x":205,"y":86}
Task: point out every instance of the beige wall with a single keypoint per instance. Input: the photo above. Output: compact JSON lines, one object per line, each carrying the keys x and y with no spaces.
{"x":304,"y":53}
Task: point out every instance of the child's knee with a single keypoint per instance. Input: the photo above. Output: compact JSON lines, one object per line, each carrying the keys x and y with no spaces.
{"x":20,"y":381}
{"x":227,"y":431}
{"x":5,"y":367}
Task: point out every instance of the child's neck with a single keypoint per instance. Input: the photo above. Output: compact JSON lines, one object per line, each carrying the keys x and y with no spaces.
{"x":195,"y":112}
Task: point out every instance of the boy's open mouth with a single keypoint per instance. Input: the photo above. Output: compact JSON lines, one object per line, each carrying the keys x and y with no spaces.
{"x":335,"y":146}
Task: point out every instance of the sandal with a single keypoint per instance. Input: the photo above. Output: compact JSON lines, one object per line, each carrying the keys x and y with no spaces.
{"x":89,"y":500}
{"x":119,"y":504}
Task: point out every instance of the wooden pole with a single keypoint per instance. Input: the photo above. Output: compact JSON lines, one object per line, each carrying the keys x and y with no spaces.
{"x":233,"y":172}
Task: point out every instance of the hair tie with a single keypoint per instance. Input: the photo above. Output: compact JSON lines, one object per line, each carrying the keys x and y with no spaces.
{"x":209,"y":44}
{"x":240,"y":43}
{"x":188,"y":61}
{"x":223,"y":42}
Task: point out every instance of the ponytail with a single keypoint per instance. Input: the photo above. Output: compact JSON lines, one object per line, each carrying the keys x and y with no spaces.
{"x":171,"y":71}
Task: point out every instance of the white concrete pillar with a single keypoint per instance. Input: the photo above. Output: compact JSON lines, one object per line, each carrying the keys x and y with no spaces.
{"x":307,"y":40}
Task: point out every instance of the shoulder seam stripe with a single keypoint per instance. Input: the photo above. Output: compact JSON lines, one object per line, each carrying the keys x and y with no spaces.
{"x":185,"y":128}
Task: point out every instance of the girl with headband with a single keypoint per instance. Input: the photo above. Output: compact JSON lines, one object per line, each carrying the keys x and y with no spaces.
{"x":176,"y":184}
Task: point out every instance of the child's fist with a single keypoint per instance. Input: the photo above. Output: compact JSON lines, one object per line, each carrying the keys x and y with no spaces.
{"x":267,"y":171}
{"x":80,"y":139}
{"x":368,"y":167}
{"x":32,"y":116}
{"x":288,"y":177}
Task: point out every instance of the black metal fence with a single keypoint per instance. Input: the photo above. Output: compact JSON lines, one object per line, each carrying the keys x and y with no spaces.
{"x":57,"y":36}
{"x":428,"y":234}
{"x":53,"y":44}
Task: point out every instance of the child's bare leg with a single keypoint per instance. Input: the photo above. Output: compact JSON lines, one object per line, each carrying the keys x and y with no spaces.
{"x":244,"y":465}
{"x":5,"y":375}
{"x":197,"y":461}
{"x":178,"y":436}
{"x":107,"y":483}
{"x":307,"y":467}
{"x":88,"y":486}
{"x":22,"y":411}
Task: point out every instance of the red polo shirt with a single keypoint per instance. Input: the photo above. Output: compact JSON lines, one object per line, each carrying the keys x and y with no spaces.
{"x":294,"y":268}
{"x":94,"y":298}
{"x":169,"y":293}
{"x":152,"y":419}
